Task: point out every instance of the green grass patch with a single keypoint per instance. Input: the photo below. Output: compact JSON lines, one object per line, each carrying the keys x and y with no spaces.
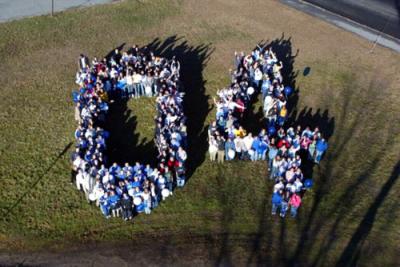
{"x":352,"y":208}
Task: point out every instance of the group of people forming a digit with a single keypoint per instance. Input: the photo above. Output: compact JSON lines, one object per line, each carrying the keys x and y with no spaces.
{"x":125,"y":190}
{"x":277,"y":144}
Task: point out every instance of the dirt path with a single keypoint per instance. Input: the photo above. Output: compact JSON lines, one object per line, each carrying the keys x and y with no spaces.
{"x":166,"y":250}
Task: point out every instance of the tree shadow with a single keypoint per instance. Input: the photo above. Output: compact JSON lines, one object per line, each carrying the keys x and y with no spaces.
{"x":316,"y":221}
{"x":261,"y":244}
{"x":351,"y":253}
{"x":261,"y":254}
{"x":332,"y":216}
{"x":124,"y":143}
{"x":33,"y":185}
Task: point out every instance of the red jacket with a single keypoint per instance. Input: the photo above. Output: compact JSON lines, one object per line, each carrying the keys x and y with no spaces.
{"x":295,"y":200}
{"x":172,"y":164}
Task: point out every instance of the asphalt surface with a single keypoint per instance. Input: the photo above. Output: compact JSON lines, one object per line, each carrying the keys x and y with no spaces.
{"x":375,"y":20}
{"x":17,"y":9}
{"x":381,"y":15}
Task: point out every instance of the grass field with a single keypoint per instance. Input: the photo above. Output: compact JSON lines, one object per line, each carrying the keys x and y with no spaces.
{"x":350,"y":217}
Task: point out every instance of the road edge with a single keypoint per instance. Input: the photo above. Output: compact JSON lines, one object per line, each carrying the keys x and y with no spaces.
{"x":347,"y":24}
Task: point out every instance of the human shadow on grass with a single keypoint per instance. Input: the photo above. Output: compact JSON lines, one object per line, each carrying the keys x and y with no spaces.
{"x":260,"y":245}
{"x":123,"y":144}
{"x":282,"y":47}
{"x":193,"y":60}
{"x":333,"y":216}
{"x":253,"y":120}
{"x":263,"y":244}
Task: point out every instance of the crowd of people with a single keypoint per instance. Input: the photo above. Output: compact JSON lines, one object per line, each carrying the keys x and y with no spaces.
{"x":260,"y":72}
{"x":125,"y":190}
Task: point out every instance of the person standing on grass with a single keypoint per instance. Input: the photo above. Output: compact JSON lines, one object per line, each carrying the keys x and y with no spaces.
{"x":279,"y":185}
{"x":255,"y":147}
{"x":146,"y":195}
{"x":294,"y":202}
{"x":181,"y":155}
{"x":154,"y":195}
{"x":169,"y":179}
{"x":262,"y":149}
{"x":311,"y":150}
{"x":115,"y":204}
{"x":221,"y":149}
{"x":272,"y":153}
{"x":276,"y":201}
{"x":212,"y":148}
{"x":129,"y":83}
{"x":248,"y":142}
{"x":180,"y":175}
{"x":105,"y":205}
{"x":320,"y":148}
{"x":284,"y":204}
{"x":126,"y":204}
{"x":229,"y":145}
{"x":83,"y":62}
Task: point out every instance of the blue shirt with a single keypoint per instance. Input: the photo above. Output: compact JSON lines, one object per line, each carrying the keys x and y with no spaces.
{"x":113,"y":200}
{"x":276,"y":198}
{"x":229,"y":145}
{"x":137,"y":167}
{"x":256,"y":144}
{"x":115,"y":169}
{"x":272,"y":152}
{"x":262,"y":147}
{"x":321,"y":146}
{"x":103,"y":201}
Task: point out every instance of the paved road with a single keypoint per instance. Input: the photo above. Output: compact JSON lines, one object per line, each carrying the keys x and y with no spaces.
{"x":381,"y":15}
{"x":16,"y":9}
{"x":366,"y":18}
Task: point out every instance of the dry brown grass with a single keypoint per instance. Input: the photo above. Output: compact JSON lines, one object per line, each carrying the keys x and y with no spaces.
{"x":359,"y":90}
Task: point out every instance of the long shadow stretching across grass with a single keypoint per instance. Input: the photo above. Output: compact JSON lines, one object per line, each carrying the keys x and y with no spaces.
{"x":304,"y":117}
{"x":260,"y":248}
{"x":124,"y":143}
{"x":351,"y":253}
{"x":282,"y":47}
{"x":343,"y":203}
{"x":253,"y":120}
{"x":51,"y":165}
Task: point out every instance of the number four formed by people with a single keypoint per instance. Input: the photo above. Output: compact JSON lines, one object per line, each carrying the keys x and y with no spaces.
{"x":278,"y":144}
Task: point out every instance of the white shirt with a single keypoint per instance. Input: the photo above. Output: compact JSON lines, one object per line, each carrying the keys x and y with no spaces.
{"x":298,"y":185}
{"x":278,"y":187}
{"x":78,"y":162}
{"x":182,"y":154}
{"x":106,"y":178}
{"x":129,"y":80}
{"x":85,"y":113}
{"x":248,"y":141}
{"x":257,"y":75}
{"x":213,"y":147}
{"x":291,"y":188}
